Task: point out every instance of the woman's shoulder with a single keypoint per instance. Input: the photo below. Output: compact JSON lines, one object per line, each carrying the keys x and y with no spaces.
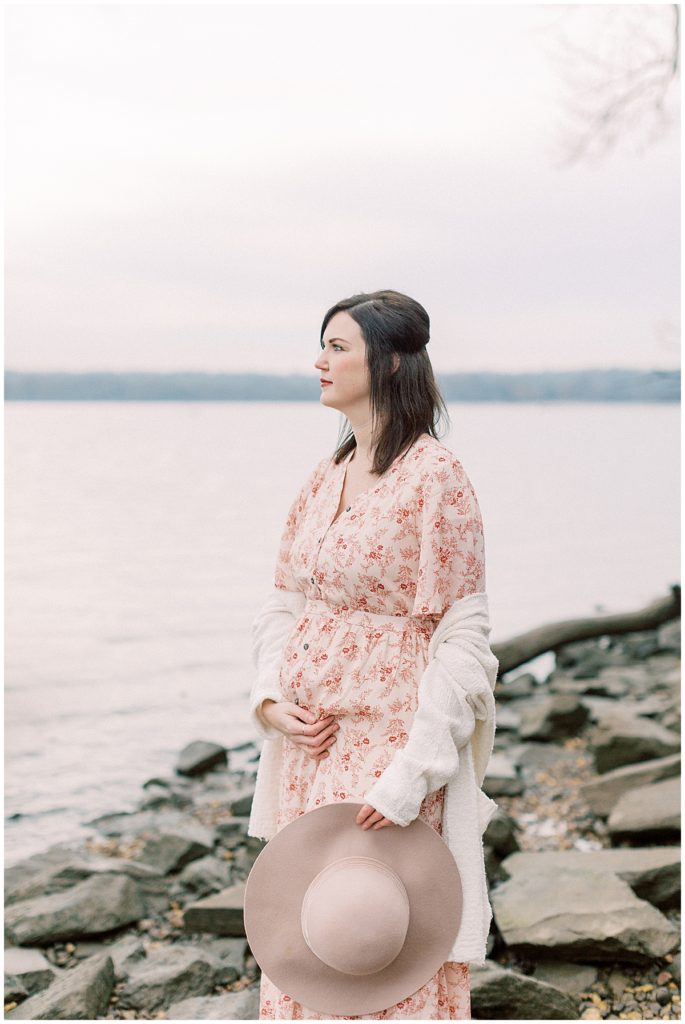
{"x":432,"y":456}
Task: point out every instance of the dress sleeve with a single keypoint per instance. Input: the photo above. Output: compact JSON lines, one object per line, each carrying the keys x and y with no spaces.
{"x":451,"y":541}
{"x":283,"y":574}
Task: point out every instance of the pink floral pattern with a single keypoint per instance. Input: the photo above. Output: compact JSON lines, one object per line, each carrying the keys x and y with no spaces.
{"x":377,"y":578}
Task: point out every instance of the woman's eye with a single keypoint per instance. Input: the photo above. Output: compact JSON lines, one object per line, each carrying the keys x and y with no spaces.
{"x":337,"y":346}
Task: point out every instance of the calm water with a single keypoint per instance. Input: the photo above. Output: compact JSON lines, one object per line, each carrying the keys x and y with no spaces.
{"x":141,"y":539}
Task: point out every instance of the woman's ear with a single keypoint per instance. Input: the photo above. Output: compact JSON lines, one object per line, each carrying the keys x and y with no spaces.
{"x":395,"y":361}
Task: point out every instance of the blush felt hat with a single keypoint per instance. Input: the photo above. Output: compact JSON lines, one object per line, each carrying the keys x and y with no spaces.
{"x":348,"y":920}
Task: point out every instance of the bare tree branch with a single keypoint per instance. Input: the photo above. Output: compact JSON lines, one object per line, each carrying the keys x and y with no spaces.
{"x":623,"y":75}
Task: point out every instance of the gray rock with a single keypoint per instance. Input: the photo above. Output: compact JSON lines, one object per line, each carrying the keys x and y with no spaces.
{"x":125,"y":952}
{"x":502,"y":778}
{"x":580,"y":915}
{"x":15,"y":992}
{"x":629,"y":740}
{"x":208,"y":875}
{"x":553,"y":718}
{"x":79,"y":994}
{"x":170,"y":852}
{"x":169,"y":974}
{"x":653,"y":873}
{"x":513,"y":689}
{"x":98,"y":904}
{"x":243,"y":804}
{"x":220,"y":914}
{"x":668,"y":637}
{"x":603,"y":793}
{"x":231,"y":951}
{"x":571,"y":978}
{"x":60,"y":868}
{"x":651,"y":812}
{"x":500,"y":834}
{"x":501,"y":994}
{"x":242,"y":1005}
{"x":508,"y":719}
{"x":199,"y":757}
{"x":31,"y":969}
{"x":133,"y":823}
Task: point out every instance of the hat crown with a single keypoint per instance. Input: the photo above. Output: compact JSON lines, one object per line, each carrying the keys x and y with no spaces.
{"x":355,"y":915}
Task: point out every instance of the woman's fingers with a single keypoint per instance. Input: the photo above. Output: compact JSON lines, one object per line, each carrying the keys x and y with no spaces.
{"x":369,"y":817}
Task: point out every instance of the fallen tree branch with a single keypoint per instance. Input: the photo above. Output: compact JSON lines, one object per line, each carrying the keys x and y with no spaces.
{"x":523,"y":648}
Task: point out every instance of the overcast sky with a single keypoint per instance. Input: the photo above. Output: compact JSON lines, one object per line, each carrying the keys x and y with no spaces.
{"x":191,"y":187}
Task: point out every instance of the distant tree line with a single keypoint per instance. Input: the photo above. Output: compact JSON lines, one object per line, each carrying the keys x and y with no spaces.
{"x":610,"y":385}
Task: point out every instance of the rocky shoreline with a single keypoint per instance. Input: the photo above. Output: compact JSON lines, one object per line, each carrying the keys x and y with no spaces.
{"x":145,"y":922}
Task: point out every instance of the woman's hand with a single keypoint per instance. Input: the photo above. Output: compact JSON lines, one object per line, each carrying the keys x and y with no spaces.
{"x":301,"y":727}
{"x":368,"y":817}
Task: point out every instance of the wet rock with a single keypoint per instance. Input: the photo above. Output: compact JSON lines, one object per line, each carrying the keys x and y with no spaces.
{"x":79,"y":994}
{"x":501,"y":994}
{"x":98,"y":904}
{"x":199,"y":757}
{"x":603,"y":793}
{"x":648,"y":813}
{"x":580,"y":915}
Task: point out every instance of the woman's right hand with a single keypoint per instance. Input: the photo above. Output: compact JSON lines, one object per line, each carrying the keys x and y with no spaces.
{"x":301,"y":726}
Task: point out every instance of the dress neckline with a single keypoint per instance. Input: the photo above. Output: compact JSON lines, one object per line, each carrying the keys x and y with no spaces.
{"x":382,"y":480}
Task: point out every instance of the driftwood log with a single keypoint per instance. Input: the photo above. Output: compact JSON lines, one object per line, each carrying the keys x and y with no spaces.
{"x":526,"y":646}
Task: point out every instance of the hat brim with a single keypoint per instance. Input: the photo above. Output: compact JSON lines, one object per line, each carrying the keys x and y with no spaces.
{"x":281,"y":875}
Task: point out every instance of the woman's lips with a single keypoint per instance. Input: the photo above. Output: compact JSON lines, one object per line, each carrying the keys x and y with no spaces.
{"x":325,"y":383}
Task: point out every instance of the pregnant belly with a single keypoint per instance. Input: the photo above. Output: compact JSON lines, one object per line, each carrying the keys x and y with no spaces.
{"x":368,"y":676}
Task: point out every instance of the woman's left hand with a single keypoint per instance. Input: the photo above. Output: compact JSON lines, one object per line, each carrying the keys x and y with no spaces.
{"x":369,"y":817}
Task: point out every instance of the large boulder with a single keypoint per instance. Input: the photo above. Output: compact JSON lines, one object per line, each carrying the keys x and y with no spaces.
{"x":498,"y":993}
{"x":98,"y":904}
{"x":647,"y":813}
{"x":553,"y":718}
{"x":602,"y":794}
{"x":652,"y":872}
{"x":79,"y":994}
{"x":629,"y":739}
{"x":580,"y":914}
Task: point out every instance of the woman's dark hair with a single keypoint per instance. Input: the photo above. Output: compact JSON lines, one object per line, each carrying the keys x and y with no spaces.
{"x":407,"y":402}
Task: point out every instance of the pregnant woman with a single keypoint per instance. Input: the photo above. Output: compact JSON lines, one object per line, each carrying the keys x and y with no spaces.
{"x":374,"y":674}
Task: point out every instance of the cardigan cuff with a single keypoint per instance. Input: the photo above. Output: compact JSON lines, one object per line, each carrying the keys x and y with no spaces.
{"x":266,"y":731}
{"x":400,"y":791}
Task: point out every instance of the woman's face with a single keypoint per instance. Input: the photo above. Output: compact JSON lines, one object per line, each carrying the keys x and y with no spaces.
{"x":342,"y":362}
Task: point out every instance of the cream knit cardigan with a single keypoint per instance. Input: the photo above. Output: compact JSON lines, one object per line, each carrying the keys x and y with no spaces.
{"x":450,"y":741}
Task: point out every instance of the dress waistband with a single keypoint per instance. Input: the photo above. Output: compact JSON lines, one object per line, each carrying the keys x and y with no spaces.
{"x":362,"y":616}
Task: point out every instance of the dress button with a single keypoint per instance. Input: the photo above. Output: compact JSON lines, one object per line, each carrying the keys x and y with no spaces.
{"x":348,"y":508}
{"x":311,"y":580}
{"x":306,"y":647}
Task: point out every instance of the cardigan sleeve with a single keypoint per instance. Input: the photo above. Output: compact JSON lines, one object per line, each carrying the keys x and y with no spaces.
{"x":451,"y":540}
{"x":444,"y":721}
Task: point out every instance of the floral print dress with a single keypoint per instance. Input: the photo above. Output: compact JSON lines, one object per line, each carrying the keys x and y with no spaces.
{"x":377,"y":578}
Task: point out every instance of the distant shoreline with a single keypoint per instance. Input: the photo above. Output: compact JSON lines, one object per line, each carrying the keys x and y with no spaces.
{"x":609,"y":385}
